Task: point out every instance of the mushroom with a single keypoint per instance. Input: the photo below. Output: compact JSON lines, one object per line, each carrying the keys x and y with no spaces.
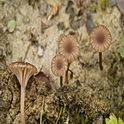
{"x":69,"y":47}
{"x":100,"y":40}
{"x":59,"y":67}
{"x":23,"y":72}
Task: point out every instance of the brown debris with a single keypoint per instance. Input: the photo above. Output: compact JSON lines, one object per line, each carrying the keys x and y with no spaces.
{"x":41,"y":76}
{"x":54,"y":12}
{"x":79,"y":4}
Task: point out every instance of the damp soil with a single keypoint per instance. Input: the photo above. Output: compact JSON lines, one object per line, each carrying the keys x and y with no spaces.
{"x":91,"y":94}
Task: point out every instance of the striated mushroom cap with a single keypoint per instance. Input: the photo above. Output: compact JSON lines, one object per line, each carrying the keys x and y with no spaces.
{"x":100,"y":38}
{"x":69,"y":47}
{"x":59,"y":65}
{"x":23,"y":71}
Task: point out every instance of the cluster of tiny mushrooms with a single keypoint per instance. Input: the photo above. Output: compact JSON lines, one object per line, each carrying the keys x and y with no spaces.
{"x":68,"y":51}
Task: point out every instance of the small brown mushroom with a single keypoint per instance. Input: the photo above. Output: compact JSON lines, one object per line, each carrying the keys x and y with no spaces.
{"x":23,"y":72}
{"x":59,"y":66}
{"x":69,"y":47}
{"x":100,"y":39}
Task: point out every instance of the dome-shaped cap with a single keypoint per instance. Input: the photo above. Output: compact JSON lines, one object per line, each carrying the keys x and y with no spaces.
{"x":59,"y":65}
{"x":100,"y":38}
{"x":69,"y":47}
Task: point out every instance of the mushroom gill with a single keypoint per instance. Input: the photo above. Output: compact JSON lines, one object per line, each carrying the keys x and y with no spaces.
{"x":69,"y":47}
{"x":100,"y":38}
{"x":23,"y":72}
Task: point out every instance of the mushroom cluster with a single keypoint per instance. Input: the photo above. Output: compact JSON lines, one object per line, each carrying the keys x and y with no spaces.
{"x":23,"y":72}
{"x":68,"y":49}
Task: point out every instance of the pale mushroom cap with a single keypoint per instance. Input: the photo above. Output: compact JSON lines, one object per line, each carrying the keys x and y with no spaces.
{"x":23,"y":71}
{"x":69,"y":47}
{"x":100,"y":38}
{"x":59,"y":65}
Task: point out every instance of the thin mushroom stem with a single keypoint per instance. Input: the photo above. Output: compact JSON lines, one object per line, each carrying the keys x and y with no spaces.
{"x":22,"y":105}
{"x":42,"y":108}
{"x":100,"y":61}
{"x":66,"y":74}
{"x":71,"y":73}
{"x":61,"y":81}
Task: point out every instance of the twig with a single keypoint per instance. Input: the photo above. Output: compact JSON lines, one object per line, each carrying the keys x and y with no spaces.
{"x":41,"y":113}
{"x":28,"y":47}
{"x":67,"y":121}
{"x":59,"y":115}
{"x":71,"y":76}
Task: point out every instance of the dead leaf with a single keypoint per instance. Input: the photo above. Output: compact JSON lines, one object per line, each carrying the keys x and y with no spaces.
{"x":55,"y":11}
{"x":42,"y":77}
{"x":80,"y":5}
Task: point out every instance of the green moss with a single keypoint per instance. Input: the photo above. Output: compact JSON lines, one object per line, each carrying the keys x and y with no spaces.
{"x":122,"y":103}
{"x":113,"y":120}
{"x":77,"y":117}
{"x":11,"y":26}
{"x":93,"y":8}
{"x":104,"y":4}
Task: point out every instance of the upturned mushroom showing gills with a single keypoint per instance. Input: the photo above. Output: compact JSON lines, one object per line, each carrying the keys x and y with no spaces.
{"x":100,"y":40}
{"x":23,"y":72}
{"x":69,"y":47}
{"x":59,"y":67}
